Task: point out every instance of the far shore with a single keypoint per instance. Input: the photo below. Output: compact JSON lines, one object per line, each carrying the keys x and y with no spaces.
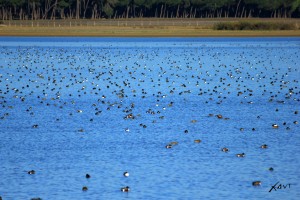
{"x":138,"y":28}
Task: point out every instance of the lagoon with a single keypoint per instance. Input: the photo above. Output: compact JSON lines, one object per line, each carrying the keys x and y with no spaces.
{"x":102,"y":106}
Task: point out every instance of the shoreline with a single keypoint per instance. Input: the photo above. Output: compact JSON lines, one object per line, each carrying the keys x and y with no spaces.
{"x":138,"y":28}
{"x":131,"y":32}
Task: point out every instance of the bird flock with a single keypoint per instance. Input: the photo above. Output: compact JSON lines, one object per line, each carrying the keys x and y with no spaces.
{"x":140,"y":90}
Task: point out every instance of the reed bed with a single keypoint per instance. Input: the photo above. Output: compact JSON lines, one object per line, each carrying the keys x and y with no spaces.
{"x":244,"y":25}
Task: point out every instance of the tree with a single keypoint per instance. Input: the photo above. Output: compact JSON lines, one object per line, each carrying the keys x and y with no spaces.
{"x":62,"y":5}
{"x":108,"y":7}
{"x":295,"y":7}
{"x":81,"y":9}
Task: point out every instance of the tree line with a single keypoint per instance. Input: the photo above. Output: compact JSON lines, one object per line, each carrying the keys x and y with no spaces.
{"x":96,"y":9}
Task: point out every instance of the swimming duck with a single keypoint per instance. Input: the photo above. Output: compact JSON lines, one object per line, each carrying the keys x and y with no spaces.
{"x":31,"y":172}
{"x":197,"y":141}
{"x":84,"y":188}
{"x":224,"y":149}
{"x":169,"y":146}
{"x":264,"y":146}
{"x":173,"y":143}
{"x":129,"y":116}
{"x":275,"y":126}
{"x":126,"y":174}
{"x":271,"y":169}
{"x":219,"y":116}
{"x":125,"y":189}
{"x":240,"y":155}
{"x":87,"y":176}
{"x":256,"y":183}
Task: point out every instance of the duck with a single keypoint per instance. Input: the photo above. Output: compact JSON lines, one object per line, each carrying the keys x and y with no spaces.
{"x":126,"y":174}
{"x":256,"y":183}
{"x":129,"y":116}
{"x":81,"y":130}
{"x":271,"y":169}
{"x":224,"y":149}
{"x":87,"y":176}
{"x":35,"y":126}
{"x":197,"y":141}
{"x":84,"y":188}
{"x":275,"y":126}
{"x":31,"y":172}
{"x":219,"y":116}
{"x":264,"y":146}
{"x":240,"y":155}
{"x":125,"y":189}
{"x":169,"y":146}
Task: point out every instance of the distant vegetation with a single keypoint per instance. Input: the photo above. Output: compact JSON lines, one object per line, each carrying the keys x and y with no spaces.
{"x":255,"y":26}
{"x":96,"y":9}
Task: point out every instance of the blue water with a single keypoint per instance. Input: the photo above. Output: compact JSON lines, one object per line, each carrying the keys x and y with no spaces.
{"x":78,"y":91}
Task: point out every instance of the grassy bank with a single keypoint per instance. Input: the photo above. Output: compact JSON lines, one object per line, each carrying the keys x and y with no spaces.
{"x":141,"y":32}
{"x":248,"y":25}
{"x":153,"y":28}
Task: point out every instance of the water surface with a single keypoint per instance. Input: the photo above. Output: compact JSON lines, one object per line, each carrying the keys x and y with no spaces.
{"x":103,"y":106}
